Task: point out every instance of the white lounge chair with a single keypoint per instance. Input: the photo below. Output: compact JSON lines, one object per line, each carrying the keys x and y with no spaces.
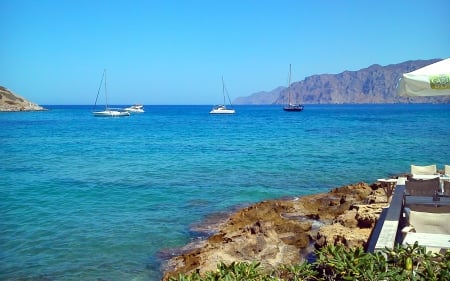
{"x":425,"y":222}
{"x":424,"y":170}
{"x":431,"y":230}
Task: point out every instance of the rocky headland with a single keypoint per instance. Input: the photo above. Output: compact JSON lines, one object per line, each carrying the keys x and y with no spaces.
{"x":283,"y":231}
{"x":12,"y":102}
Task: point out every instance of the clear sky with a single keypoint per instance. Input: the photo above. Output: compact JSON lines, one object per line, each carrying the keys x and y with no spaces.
{"x":175,"y":52}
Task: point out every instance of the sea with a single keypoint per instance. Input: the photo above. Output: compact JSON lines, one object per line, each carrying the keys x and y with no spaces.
{"x":94,"y":198}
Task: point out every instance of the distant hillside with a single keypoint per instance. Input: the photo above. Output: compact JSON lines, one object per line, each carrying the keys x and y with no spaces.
{"x":375,"y":84}
{"x":261,"y":97}
{"x":12,"y":102}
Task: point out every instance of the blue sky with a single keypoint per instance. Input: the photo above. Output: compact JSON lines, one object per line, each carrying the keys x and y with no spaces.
{"x":175,"y":52}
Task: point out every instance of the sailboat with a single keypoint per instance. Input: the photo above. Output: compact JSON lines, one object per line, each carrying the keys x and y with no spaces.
{"x":221,"y":108}
{"x":291,"y":106}
{"x":108,"y":112}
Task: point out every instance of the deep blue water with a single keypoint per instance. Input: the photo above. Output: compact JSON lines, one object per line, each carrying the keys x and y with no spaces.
{"x":89,"y":198}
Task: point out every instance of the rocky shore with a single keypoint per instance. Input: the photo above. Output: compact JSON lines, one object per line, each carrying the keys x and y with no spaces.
{"x":284,"y":231}
{"x":12,"y":102}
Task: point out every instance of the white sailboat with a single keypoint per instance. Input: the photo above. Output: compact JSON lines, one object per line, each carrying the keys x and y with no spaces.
{"x":291,"y":106}
{"x":108,"y":112}
{"x":221,"y":108}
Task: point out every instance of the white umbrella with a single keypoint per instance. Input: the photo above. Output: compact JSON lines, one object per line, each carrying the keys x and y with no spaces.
{"x":431,"y":80}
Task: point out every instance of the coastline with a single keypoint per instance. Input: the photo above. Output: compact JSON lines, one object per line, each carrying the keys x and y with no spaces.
{"x":11,"y":102}
{"x":176,"y":168}
{"x":284,"y":231}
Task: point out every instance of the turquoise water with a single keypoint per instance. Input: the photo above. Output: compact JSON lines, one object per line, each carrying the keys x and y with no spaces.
{"x":86,"y":198}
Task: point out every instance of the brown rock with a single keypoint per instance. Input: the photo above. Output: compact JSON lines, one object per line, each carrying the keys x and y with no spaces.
{"x":13,"y":102}
{"x":348,"y":219}
{"x":339,"y":234}
{"x":276,"y":232}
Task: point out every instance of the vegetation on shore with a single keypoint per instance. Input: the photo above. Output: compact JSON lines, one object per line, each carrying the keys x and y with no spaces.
{"x":411,"y":262}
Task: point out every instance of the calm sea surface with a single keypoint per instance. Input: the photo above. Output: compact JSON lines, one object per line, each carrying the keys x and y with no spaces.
{"x":89,"y":198}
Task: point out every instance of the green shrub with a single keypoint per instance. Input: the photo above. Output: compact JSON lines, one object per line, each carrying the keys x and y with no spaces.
{"x":298,"y":272}
{"x":417,"y":264}
{"x":339,"y":263}
{"x":335,"y":262}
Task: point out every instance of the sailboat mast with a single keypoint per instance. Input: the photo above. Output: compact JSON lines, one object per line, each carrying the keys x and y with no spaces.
{"x":106,"y":91}
{"x":289,"y":85}
{"x":99,"y":89}
{"x":223,"y":91}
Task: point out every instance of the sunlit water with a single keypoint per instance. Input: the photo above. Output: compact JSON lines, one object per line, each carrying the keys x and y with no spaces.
{"x":88,"y":198}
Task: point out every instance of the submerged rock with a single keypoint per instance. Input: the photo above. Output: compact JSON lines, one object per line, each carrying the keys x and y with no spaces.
{"x":277,"y":232}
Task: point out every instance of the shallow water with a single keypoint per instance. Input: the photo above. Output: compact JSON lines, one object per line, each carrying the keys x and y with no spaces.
{"x":87,"y":198}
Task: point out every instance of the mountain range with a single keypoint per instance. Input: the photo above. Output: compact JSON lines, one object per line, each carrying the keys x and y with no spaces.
{"x":374,"y":84}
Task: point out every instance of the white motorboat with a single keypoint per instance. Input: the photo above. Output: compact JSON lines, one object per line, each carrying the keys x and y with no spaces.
{"x":137,"y":108}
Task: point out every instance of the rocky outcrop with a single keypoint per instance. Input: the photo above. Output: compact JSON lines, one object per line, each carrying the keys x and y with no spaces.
{"x":284,"y":231}
{"x":12,"y":102}
{"x":374,"y":84}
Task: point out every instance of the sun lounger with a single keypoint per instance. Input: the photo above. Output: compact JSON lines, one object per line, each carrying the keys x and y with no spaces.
{"x":431,"y":230}
{"x":431,"y":241}
{"x":423,"y":170}
{"x":446,"y":191}
{"x":422,"y":187}
{"x":425,"y":222}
